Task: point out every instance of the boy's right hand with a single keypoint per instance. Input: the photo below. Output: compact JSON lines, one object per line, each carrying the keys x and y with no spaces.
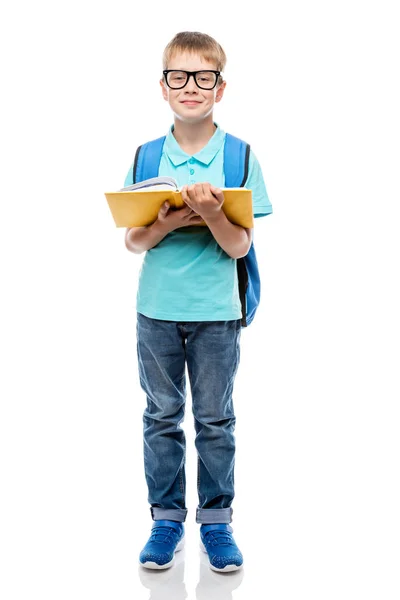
{"x":173,"y":219}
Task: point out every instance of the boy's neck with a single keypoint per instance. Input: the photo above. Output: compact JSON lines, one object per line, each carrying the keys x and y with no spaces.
{"x":192,"y":137}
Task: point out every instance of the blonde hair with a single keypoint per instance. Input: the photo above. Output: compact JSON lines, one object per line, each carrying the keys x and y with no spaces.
{"x":195,"y":42}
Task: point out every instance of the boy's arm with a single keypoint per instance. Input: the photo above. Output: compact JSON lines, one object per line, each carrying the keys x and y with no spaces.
{"x":234,"y":239}
{"x":207,"y":201}
{"x":140,"y":239}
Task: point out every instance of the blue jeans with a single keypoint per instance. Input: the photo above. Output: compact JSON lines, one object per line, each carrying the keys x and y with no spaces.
{"x":211,"y":350}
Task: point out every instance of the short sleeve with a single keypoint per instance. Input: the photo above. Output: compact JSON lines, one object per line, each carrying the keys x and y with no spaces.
{"x":255,"y":182}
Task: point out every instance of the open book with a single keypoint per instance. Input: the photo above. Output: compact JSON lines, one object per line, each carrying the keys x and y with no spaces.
{"x":137,"y":205}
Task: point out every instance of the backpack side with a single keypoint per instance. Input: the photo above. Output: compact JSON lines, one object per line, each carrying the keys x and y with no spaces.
{"x":236,"y":169}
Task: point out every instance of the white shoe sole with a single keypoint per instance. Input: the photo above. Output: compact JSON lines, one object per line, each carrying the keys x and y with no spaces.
{"x":225,"y":569}
{"x":152,"y":565}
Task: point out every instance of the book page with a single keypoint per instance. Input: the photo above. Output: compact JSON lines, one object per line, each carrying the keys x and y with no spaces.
{"x":162,"y":183}
{"x":150,"y":188}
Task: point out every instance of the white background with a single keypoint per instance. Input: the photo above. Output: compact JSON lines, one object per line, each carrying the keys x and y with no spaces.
{"x":313,"y":86}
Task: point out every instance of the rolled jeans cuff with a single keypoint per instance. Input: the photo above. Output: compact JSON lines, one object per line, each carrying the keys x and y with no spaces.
{"x":172,"y":514}
{"x":214,"y":515}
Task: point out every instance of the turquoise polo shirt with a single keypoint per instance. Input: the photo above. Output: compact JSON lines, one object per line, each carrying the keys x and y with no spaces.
{"x":188,"y":276}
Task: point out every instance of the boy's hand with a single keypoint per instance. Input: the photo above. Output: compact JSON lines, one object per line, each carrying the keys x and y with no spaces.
{"x":173,"y":219}
{"x":203,"y":198}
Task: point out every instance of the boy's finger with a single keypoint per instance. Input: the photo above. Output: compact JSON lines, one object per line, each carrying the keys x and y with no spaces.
{"x":162,"y":213}
{"x":196,"y":218}
{"x":184,"y":211}
{"x":187,"y":202}
{"x":216,"y":191}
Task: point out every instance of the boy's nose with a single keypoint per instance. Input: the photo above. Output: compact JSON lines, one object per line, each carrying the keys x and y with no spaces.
{"x":191,"y":84}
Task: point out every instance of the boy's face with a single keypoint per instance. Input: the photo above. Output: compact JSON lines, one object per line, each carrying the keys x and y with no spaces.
{"x":191,"y":103}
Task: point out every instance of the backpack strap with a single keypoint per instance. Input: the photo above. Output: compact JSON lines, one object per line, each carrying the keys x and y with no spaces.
{"x":236,"y":161}
{"x":147,"y":160}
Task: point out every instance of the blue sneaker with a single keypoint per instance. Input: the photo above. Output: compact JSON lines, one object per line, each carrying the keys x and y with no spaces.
{"x":221,"y":548}
{"x":167,"y":537}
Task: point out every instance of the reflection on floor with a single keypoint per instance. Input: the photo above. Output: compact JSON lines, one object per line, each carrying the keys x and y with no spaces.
{"x":169,"y":584}
{"x":216,"y":586}
{"x":166,"y":584}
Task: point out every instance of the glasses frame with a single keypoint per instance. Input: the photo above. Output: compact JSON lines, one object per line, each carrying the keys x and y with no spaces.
{"x":188,"y":75}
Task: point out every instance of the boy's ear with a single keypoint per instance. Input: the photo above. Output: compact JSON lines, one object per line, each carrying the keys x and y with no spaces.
{"x":220,"y":91}
{"x":164,"y":89}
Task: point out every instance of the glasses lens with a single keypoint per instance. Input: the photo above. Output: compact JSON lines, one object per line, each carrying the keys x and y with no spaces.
{"x":206,"y":79}
{"x":176,"y":79}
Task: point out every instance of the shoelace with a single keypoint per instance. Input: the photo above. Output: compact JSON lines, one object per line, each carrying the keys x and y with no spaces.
{"x":165,"y":532}
{"x":219,"y":538}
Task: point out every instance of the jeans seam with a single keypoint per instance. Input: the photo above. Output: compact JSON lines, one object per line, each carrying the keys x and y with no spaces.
{"x":198,"y":476}
{"x":181,"y":485}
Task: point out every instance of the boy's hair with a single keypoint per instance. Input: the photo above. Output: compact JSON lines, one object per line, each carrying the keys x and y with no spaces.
{"x":196,"y":42}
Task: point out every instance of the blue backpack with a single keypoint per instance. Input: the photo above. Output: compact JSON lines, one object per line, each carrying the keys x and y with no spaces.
{"x":236,"y":170}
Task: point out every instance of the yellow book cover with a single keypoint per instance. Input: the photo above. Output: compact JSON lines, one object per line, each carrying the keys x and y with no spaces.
{"x":138,"y":205}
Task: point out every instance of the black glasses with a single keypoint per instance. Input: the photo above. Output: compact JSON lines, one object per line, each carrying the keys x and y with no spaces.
{"x":205,"y":80}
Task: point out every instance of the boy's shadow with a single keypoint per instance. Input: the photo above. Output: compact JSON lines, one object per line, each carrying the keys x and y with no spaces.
{"x":216,"y":586}
{"x":166,"y":584}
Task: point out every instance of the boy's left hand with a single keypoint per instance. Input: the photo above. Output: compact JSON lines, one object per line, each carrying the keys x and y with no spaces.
{"x":205,"y":199}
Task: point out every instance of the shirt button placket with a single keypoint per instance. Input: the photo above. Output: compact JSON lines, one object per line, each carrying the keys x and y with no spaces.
{"x":191,"y":171}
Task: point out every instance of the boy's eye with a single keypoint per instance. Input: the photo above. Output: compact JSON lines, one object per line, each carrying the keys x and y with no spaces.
{"x":177,"y":76}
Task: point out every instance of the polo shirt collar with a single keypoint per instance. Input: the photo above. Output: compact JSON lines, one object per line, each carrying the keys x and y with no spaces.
{"x":205,"y":155}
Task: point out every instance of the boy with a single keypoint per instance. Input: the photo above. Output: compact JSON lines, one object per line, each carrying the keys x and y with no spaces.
{"x":189,"y":312}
